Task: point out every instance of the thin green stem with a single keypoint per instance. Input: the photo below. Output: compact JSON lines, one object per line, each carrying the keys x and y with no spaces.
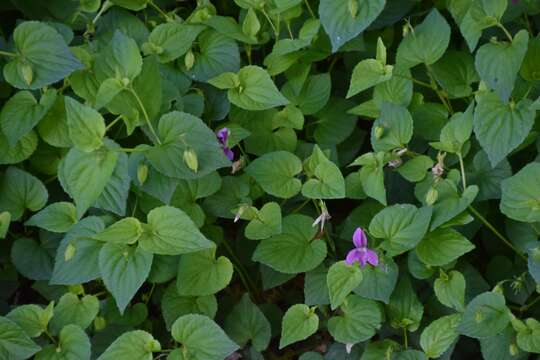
{"x":506,"y":32}
{"x":288,"y":24}
{"x":244,"y":277}
{"x":106,"y":5}
{"x":7,"y":53}
{"x":270,"y":22}
{"x":48,"y":334}
{"x":113,"y":123}
{"x":496,"y":232}
{"x":529,"y":305}
{"x":161,"y":12}
{"x":435,"y":88}
{"x":421,"y":83}
{"x":309,"y":9}
{"x":462,"y":168}
{"x":145,"y":114}
{"x":405,"y":338}
{"x":301,"y":206}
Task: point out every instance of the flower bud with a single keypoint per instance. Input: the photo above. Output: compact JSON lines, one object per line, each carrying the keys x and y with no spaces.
{"x":76,"y":289}
{"x":190,"y":158}
{"x":99,"y":323}
{"x":125,"y":81}
{"x":478,"y":317}
{"x":152,"y":346}
{"x":26,"y":72}
{"x":513,"y":350}
{"x":69,"y":253}
{"x":142,"y":173}
{"x":189,"y":60}
{"x":432,"y":196}
{"x":379,"y":132}
{"x":353,"y":8}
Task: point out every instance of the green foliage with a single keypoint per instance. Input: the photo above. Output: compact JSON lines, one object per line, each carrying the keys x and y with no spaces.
{"x":268,"y":179}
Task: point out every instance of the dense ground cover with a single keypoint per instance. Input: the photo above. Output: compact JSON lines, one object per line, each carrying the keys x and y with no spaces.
{"x":269,"y":179}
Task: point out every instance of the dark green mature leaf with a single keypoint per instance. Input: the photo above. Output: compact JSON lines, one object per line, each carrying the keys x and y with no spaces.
{"x":22,"y":113}
{"x":443,"y":246}
{"x":455,"y":73}
{"x":276,"y":173}
{"x":173,"y":305}
{"x":124,"y":268}
{"x":359,"y":321}
{"x":378,"y":282}
{"x":520,"y":193}
{"x":14,"y":343}
{"x":21,"y":151}
{"x":120,"y":59}
{"x":43,"y":57}
{"x":20,"y":191}
{"x":180,"y":132}
{"x":31,"y":259}
{"x":426,"y":43}
{"x":294,"y":250}
{"x":397,"y":128}
{"x":193,"y":332}
{"x":486,"y":315}
{"x":202,"y":274}
{"x":246,"y":322}
{"x":498,"y":63}
{"x":404,"y":309}
{"x":341,"y":24}
{"x":450,"y":290}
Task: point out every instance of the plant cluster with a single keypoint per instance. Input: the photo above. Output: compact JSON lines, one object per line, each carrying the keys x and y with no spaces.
{"x":269,"y":179}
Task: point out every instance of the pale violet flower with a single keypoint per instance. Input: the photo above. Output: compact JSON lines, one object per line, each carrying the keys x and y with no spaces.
{"x":223,"y":137}
{"x":361,"y":253}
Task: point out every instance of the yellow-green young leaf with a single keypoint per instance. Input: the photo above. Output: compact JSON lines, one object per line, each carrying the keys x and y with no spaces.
{"x":256,"y":91}
{"x":443,"y":246}
{"x":294,"y":250}
{"x":372,"y":175}
{"x":73,"y":344}
{"x":171,"y":40}
{"x":19,"y":191}
{"x":529,"y":339}
{"x":57,"y":217}
{"x":21,"y":113}
{"x":74,"y":310}
{"x":326,"y":180}
{"x":124,"y":269}
{"x":341,"y":25}
{"x":299,"y":323}
{"x":171,"y":232}
{"x":202,"y":338}
{"x":246,"y":322}
{"x":456,"y":132}
{"x":14,"y":343}
{"x":125,"y":231}
{"x":426,"y":43}
{"x":33,"y":319}
{"x":131,"y":345}
{"x":416,"y":169}
{"x":201,"y":274}
{"x":450,"y":289}
{"x":276,"y":173}
{"x":341,"y":280}
{"x":267,"y":222}
{"x":520,"y":198}
{"x":359,"y":320}
{"x":368,"y":73}
{"x":86,"y":126}
{"x":251,"y":24}
{"x":43,"y":51}
{"x":84,"y":175}
{"x":401,"y":227}
{"x":107,"y":91}
{"x":438,"y":336}
{"x":120,"y":59}
{"x":486,"y":315}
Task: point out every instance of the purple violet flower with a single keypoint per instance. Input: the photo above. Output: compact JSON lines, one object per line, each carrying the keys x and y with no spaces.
{"x":361,"y":253}
{"x":223,"y":136}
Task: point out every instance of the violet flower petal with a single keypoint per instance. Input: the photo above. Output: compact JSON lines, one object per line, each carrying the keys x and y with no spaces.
{"x":372,"y":257}
{"x":352,"y":256}
{"x":359,"y":238}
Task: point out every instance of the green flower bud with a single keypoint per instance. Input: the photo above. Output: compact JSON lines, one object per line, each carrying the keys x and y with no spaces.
{"x":478,"y":317}
{"x":432,"y":196}
{"x":69,"y":253}
{"x":26,"y":72}
{"x":125,"y":81}
{"x":142,"y":173}
{"x":353,"y":8}
{"x":152,"y":346}
{"x":379,"y":131}
{"x":513,"y":350}
{"x":190,"y":158}
{"x":99,"y":323}
{"x":76,"y":289}
{"x":189,"y":60}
